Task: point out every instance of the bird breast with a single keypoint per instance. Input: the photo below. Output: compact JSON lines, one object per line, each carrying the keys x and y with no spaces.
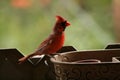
{"x":56,"y":43}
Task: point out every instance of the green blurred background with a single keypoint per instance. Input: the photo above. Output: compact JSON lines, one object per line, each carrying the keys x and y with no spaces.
{"x":24,"y":24}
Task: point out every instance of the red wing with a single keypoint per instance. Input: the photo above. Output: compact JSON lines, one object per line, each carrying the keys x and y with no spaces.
{"x":46,"y":43}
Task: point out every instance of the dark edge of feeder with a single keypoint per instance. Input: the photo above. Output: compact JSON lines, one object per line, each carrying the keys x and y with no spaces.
{"x":113,"y":46}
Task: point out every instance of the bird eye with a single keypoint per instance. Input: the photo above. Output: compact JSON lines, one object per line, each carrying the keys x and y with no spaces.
{"x":63,"y":23}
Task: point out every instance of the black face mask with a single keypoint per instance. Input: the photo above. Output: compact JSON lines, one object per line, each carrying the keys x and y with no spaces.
{"x":63,"y":24}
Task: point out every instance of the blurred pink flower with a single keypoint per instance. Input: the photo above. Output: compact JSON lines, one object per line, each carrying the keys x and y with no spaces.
{"x":21,"y":3}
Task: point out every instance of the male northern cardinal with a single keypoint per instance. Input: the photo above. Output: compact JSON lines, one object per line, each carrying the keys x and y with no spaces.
{"x":53,"y":43}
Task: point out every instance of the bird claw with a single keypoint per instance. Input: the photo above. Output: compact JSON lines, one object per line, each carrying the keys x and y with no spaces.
{"x":52,"y":55}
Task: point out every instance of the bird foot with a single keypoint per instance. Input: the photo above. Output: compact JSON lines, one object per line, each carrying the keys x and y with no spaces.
{"x":53,"y":55}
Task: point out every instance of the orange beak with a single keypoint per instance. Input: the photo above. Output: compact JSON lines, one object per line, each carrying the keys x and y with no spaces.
{"x":62,"y":19}
{"x":67,"y":23}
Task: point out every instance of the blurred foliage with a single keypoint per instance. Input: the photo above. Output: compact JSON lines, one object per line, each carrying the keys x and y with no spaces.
{"x":25,"y":26}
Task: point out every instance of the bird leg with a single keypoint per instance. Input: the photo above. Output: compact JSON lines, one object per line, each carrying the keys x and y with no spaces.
{"x":53,"y":55}
{"x":50,"y":55}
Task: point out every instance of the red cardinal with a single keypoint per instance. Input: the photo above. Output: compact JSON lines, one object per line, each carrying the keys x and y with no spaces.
{"x":54,"y":42}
